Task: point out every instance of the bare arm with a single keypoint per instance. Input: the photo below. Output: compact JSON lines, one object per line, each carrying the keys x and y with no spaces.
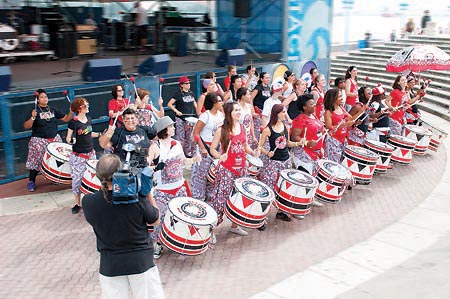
{"x":172,"y":107}
{"x":215,"y":144}
{"x":28,"y":124}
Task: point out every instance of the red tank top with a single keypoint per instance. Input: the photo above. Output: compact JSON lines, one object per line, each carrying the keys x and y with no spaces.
{"x":398,"y":98}
{"x":335,"y":120}
{"x":235,"y":161}
{"x":319,"y":104}
{"x":314,"y":129}
{"x":353,"y":88}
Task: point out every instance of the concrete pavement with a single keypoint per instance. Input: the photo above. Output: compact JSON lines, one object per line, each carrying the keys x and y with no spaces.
{"x":385,"y":240}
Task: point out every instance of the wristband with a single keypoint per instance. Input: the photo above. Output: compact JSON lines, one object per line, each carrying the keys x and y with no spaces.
{"x":33,"y":118}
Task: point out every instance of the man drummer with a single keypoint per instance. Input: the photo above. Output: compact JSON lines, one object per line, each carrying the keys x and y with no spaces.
{"x":184,"y":105}
{"x":44,"y":130}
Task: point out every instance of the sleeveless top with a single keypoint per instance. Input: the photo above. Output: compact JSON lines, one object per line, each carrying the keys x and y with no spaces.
{"x":335,"y":120}
{"x":353,"y":88}
{"x":319,"y":104}
{"x":281,"y":153}
{"x":398,"y":98}
{"x":235,"y":161}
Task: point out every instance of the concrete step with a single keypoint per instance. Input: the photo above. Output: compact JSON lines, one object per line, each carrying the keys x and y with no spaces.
{"x":439,"y":38}
{"x":435,"y":109}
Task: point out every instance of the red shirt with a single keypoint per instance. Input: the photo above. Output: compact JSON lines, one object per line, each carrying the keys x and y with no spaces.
{"x":319,"y":104}
{"x":314,"y":129}
{"x":336,"y":119}
{"x":235,"y":161}
{"x":353,"y":88}
{"x":398,"y":98}
{"x":116,"y":106}
{"x":226,"y":83}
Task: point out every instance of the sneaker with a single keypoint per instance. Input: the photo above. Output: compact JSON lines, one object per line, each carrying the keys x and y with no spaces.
{"x":299,"y":217}
{"x":213,"y":239}
{"x":157,"y":251}
{"x":317,"y":203}
{"x":31,"y":186}
{"x":238,"y":231}
{"x":262,"y":228}
{"x":76,"y":209}
{"x":283,"y":216}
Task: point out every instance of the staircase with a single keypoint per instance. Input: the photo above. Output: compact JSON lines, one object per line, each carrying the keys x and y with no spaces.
{"x":371,"y":62}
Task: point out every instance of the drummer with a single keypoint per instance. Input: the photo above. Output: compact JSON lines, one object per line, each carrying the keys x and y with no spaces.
{"x":380,"y":115}
{"x":357,"y":133}
{"x":337,"y":120}
{"x":80,"y":134}
{"x":184,"y":105}
{"x":210,"y":86}
{"x":247,"y":113}
{"x":291,"y":104}
{"x":279,"y":140}
{"x":167,"y":158}
{"x":204,"y":131}
{"x":44,"y":130}
{"x":145,"y":112}
{"x":232,"y":161}
{"x":413,"y":113}
{"x":117,"y":105}
{"x":260,"y":94}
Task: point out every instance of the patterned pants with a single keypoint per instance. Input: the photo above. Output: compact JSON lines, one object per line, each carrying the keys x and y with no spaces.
{"x":162,"y":200}
{"x":78,"y":166}
{"x":201,"y":188}
{"x":334,"y":149}
{"x":396,"y":127}
{"x":184,"y":136}
{"x":36,"y":150}
{"x":301,"y":158}
{"x":272,"y":171}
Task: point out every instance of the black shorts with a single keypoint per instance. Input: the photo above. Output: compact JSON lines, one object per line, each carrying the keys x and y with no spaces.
{"x":142,"y":31}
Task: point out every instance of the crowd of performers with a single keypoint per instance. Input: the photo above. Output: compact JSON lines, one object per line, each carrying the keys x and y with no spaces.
{"x":284,"y":121}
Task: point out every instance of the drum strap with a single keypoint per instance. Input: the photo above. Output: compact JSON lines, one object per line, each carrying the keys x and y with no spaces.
{"x":82,"y":155}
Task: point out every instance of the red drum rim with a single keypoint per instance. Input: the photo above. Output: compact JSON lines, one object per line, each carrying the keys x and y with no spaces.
{"x":202,"y":207}
{"x":361,"y":153}
{"x":311,"y":183}
{"x":418,"y":130}
{"x":324,"y":171}
{"x":379,"y":146}
{"x":240,"y":186}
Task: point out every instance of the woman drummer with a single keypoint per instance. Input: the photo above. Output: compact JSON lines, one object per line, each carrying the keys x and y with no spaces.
{"x":184,"y":105}
{"x":232,"y":161}
{"x":247,"y":113}
{"x":380,"y":115}
{"x":399,"y":101}
{"x":204,"y":131}
{"x":117,"y":105}
{"x":80,"y":134}
{"x":167,"y":157}
{"x":337,"y":120}
{"x":357,"y":133}
{"x":210,"y":86}
{"x":278,"y":154}
{"x":291,"y":104}
{"x":145,"y":112}
{"x":44,"y":130}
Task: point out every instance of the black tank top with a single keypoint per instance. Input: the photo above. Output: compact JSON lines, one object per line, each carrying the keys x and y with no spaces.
{"x":281,"y":154}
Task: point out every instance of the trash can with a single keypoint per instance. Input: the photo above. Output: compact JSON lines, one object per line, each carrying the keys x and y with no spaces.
{"x":181,"y":44}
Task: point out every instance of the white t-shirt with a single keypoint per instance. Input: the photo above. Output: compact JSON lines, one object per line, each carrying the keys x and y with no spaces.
{"x":212,"y":122}
{"x":141,"y":16}
{"x":166,"y":152}
{"x":246,"y":117}
{"x":268,"y":104}
{"x":253,"y":81}
{"x":288,"y":91}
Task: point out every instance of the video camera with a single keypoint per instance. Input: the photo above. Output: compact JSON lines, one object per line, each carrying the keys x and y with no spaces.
{"x":125,"y":182}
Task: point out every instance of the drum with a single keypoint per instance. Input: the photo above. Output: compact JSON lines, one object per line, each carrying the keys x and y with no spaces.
{"x":55,"y":165}
{"x":361,"y":162}
{"x":384,"y":152}
{"x":383,"y":134}
{"x":295,"y":192}
{"x":191,"y":121}
{"x":90,"y":182}
{"x":403,"y":147}
{"x":437,"y":136}
{"x":249,"y":203}
{"x":333,"y":180}
{"x":421,"y":135}
{"x":254,"y":165}
{"x":187,"y":225}
{"x":211,"y":175}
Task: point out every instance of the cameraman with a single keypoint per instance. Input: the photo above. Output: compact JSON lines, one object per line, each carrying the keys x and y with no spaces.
{"x":126,"y":250}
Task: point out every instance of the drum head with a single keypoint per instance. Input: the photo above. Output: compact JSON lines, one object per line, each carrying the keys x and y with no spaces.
{"x":403,"y":139}
{"x":254,"y":161}
{"x":418,"y":130}
{"x":299,"y":178}
{"x":192,"y":211}
{"x":360,"y":151}
{"x":254,"y":189}
{"x":191,"y":120}
{"x":59,"y":150}
{"x":379,"y":144}
{"x":334,"y":169}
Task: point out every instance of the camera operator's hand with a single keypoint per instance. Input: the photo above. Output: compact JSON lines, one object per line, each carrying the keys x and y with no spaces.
{"x":160,"y":166}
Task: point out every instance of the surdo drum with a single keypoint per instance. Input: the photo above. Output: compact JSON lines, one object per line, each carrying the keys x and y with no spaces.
{"x":333,"y":180}
{"x":254,"y":165}
{"x":384,"y":152}
{"x":361,"y":162}
{"x":211,"y":175}
{"x":249,"y":203}
{"x":421,"y":135}
{"x":403,"y":147}
{"x":295,"y":192}
{"x":187,"y":226}
{"x":437,"y":136}
{"x":55,"y":165}
{"x":90,"y":182}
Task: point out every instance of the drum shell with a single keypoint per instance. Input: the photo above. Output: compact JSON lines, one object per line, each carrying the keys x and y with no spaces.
{"x":254,"y":165}
{"x":437,"y":136}
{"x":294,"y":197}
{"x":331,"y":188}
{"x":421,"y":135}
{"x":246,"y":210}
{"x":90,"y":182}
{"x":54,"y":167}
{"x":384,"y":152}
{"x":361,"y":162}
{"x":403,"y":148}
{"x":184,"y":237}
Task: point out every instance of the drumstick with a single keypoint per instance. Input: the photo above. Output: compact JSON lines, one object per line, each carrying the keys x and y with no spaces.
{"x":134,"y":85}
{"x":36,"y":94}
{"x":67,"y":97}
{"x":304,"y":136}
{"x":161,"y":81}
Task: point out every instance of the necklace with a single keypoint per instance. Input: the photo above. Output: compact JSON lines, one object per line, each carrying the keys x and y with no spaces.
{"x":45,"y":114}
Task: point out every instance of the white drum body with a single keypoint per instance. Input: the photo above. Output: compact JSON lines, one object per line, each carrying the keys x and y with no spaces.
{"x":249,"y":203}
{"x":421,"y":135}
{"x":90,"y":182}
{"x":254,"y":165}
{"x":437,"y":136}
{"x":191,"y":121}
{"x":8,"y":38}
{"x":295,"y":192}
{"x":403,"y":148}
{"x":361,"y":162}
{"x":187,"y":226}
{"x":384,"y":152}
{"x":55,"y":164}
{"x":333,"y":180}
